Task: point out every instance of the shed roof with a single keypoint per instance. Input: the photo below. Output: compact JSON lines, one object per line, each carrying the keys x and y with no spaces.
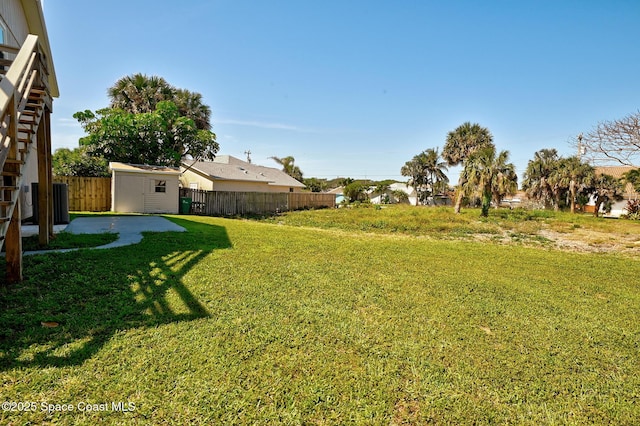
{"x":143,"y":168}
{"x":226,"y":167}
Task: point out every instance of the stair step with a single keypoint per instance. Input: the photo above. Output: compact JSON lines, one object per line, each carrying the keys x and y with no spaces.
{"x":8,"y":188}
{"x":10,"y":173}
{"x":13,"y":161}
{"x":6,"y":203}
{"x":34,"y":106}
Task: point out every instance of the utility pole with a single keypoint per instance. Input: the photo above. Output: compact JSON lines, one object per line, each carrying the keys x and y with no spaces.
{"x":248,"y":154}
{"x":581,"y":149}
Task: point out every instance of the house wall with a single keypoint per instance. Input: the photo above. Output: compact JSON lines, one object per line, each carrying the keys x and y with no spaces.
{"x":135,"y":193}
{"x":189,"y":177}
{"x":206,"y":184}
{"x":240,"y":186}
{"x":13,"y":19}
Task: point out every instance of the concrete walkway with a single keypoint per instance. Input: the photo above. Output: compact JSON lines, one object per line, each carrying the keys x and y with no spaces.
{"x":129,"y":228}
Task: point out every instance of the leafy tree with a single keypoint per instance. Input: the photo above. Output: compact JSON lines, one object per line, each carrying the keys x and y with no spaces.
{"x":461,"y":143}
{"x":356,"y":191}
{"x":161,"y":137}
{"x":316,"y":185}
{"x":345,"y":181}
{"x":289,"y":167}
{"x":400,"y":196}
{"x":490,"y":174}
{"x":78,"y":162}
{"x":538,"y":176}
{"x":604,"y":189}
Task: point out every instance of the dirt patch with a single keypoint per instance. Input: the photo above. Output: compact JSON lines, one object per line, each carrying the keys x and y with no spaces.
{"x":593,"y":241}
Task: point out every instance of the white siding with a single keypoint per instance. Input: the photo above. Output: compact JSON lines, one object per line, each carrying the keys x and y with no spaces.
{"x":135,"y":193}
{"x":13,"y":19}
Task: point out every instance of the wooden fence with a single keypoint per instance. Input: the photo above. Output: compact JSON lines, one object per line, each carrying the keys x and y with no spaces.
{"x":92,"y":194}
{"x":225,"y":203}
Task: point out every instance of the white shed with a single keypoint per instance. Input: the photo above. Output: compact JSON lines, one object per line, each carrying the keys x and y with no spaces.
{"x":139,"y":188}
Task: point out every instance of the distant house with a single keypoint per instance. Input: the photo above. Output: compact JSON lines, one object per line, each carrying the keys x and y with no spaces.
{"x":137,"y":188}
{"x":619,"y":207}
{"x":227,"y":173}
{"x":339,"y":193}
{"x":388,"y":195}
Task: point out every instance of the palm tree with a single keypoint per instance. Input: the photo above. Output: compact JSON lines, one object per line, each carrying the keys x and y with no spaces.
{"x":435,"y":169}
{"x":461,"y":143}
{"x":605,"y":188}
{"x":139,"y":93}
{"x":490,"y":174}
{"x":190,"y":105}
{"x":416,"y":170}
{"x":289,"y":167}
{"x":633,"y":177}
{"x":537,"y":177}
{"x":573,"y":175}
{"x":506,"y":182}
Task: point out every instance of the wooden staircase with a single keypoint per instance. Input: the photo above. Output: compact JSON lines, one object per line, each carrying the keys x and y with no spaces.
{"x":24,"y":106}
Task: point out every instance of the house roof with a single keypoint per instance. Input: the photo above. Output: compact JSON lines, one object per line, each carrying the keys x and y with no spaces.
{"x":35,"y":20}
{"x":618,"y":173}
{"x":615,"y":171}
{"x":143,"y":168}
{"x":226,"y":167}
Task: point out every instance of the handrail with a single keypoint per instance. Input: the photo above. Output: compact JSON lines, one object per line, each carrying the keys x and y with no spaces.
{"x":18,"y":68}
{"x":15,"y":87}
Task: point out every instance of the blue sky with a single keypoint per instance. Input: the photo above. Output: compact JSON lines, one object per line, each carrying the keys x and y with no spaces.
{"x":357,"y":88}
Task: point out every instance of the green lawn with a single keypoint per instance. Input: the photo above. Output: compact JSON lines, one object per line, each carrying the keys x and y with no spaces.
{"x":282,"y":322}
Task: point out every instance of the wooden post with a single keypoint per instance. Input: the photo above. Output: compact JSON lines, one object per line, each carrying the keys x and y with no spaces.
{"x":13,"y":236}
{"x":43,"y":184}
{"x":47,"y":128}
{"x":14,"y":247}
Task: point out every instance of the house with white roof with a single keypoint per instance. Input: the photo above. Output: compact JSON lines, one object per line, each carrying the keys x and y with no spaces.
{"x":389,"y":195}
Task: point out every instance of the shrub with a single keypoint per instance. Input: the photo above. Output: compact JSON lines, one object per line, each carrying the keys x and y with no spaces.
{"x":633,"y":210}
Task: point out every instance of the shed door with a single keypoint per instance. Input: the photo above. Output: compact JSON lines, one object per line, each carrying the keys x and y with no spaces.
{"x":130,"y":193}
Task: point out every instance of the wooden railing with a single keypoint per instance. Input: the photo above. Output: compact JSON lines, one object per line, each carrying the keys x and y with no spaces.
{"x":24,"y":96}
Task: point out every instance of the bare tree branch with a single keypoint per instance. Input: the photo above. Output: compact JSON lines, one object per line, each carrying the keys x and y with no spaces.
{"x":612,"y":142}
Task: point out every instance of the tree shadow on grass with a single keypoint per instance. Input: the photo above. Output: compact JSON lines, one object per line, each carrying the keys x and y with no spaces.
{"x":93,"y":294}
